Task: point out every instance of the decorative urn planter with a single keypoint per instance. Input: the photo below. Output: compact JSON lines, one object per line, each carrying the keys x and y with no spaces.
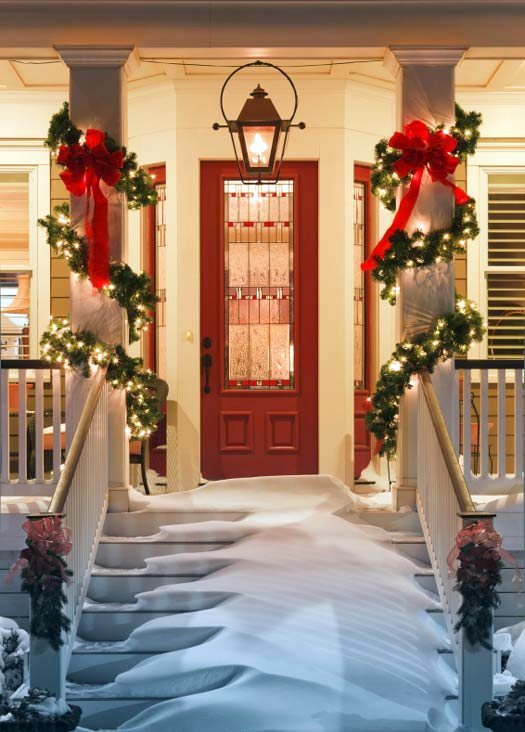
{"x":507,"y":714}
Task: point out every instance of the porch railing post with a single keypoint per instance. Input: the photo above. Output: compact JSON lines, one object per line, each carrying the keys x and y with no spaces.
{"x":476,"y":673}
{"x":425,"y":81}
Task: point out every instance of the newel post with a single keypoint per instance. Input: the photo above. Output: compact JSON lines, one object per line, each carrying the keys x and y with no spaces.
{"x":426,"y":92}
{"x":98,"y":99}
{"x":476,"y":664}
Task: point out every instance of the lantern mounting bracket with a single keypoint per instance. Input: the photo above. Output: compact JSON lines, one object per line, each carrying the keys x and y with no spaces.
{"x":280,"y":125}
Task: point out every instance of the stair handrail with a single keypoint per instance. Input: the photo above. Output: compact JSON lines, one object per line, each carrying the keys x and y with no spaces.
{"x":457,"y":478}
{"x":67,"y":474}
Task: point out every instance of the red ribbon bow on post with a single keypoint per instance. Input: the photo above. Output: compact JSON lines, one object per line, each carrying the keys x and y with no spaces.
{"x":47,"y":541}
{"x":87,"y":164}
{"x":421,"y":150}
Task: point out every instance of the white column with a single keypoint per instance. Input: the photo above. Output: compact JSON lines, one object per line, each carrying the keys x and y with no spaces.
{"x":425,"y":87}
{"x":98,"y":99}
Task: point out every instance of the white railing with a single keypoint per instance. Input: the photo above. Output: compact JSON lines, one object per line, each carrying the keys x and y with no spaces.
{"x":81,"y":495}
{"x":491,"y":423}
{"x":445,"y":505}
{"x":31,"y":427}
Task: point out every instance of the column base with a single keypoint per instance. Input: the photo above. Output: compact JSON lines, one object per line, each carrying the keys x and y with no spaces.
{"x":118,"y":499}
{"x":403,"y":495}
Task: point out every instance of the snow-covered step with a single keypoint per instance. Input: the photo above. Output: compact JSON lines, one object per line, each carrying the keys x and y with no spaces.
{"x":122,"y":553}
{"x":107,"y":713}
{"x":101,"y":667}
{"x":426,"y":580}
{"x":14,"y":604}
{"x":120,"y":586}
{"x":393,"y":521}
{"x":447,"y":654}
{"x":511,"y":603}
{"x":438,"y":616}
{"x":144,"y":523}
{"x":114,"y":622}
{"x":411,"y":546}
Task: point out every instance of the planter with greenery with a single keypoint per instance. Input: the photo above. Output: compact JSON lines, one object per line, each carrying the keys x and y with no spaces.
{"x":507,"y":714}
{"x":37,"y":712}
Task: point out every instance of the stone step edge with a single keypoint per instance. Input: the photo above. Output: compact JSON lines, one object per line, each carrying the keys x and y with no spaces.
{"x":139,"y":540}
{"x":136,"y":572}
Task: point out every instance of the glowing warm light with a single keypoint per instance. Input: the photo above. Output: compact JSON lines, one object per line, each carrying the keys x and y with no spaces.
{"x":395,"y":366}
{"x":258,"y":148}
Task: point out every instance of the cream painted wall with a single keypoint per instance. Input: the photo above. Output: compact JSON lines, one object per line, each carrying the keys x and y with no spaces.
{"x":173,"y":122}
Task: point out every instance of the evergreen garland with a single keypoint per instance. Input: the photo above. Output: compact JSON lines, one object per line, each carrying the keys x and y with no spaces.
{"x":132,"y":291}
{"x":451,"y":333}
{"x":83,"y":351}
{"x":420,"y":249}
{"x":134,"y":181}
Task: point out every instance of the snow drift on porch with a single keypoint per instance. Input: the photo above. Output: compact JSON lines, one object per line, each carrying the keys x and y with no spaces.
{"x":312,"y":622}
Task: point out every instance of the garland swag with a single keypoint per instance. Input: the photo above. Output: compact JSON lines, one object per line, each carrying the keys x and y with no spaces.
{"x":420,"y":148}
{"x":88,"y":158}
{"x":452,"y":333}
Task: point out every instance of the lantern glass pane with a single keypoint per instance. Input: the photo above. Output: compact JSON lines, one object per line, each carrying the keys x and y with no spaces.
{"x":259,"y":145}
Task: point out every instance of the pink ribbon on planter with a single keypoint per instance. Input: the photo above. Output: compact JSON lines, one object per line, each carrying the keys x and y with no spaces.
{"x":47,"y":540}
{"x":483,"y":534}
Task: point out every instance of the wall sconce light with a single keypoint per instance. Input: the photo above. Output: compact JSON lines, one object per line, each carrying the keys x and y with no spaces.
{"x":259,"y":129}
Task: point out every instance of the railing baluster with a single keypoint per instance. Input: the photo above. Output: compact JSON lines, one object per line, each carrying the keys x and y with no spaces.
{"x":484,"y":422}
{"x":502,"y":432}
{"x":39,"y":425}
{"x":467,"y":425}
{"x":518,"y":423}
{"x":4,"y":425}
{"x":57,"y":437}
{"x":22,"y":426}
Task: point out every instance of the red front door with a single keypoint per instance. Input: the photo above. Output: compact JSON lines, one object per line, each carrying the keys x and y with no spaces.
{"x":258,"y":323}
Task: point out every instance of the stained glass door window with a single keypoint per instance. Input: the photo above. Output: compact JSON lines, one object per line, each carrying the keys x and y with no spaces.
{"x":259,"y":285}
{"x":359,"y":285}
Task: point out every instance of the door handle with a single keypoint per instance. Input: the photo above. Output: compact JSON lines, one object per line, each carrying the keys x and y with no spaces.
{"x":206,"y":361}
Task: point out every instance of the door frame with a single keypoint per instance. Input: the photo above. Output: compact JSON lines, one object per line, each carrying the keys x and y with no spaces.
{"x":306,"y":350}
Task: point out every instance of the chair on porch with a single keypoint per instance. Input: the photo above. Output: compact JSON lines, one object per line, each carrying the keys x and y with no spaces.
{"x":139,"y":449}
{"x":474,"y":435}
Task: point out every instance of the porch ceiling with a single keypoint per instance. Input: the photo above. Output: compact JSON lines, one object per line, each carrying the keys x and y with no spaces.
{"x":481,"y":69}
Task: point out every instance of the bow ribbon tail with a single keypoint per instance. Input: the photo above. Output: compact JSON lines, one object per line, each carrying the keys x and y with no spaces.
{"x":97,"y":232}
{"x":452,"y":556}
{"x":20,"y":563}
{"x":400,"y":220}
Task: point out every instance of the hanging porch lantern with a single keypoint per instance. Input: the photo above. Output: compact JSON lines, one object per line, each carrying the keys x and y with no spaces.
{"x":262,"y":134}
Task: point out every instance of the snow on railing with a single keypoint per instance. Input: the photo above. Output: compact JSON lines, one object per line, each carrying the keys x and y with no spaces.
{"x":491,"y":423}
{"x":445,"y":505}
{"x":31,"y":427}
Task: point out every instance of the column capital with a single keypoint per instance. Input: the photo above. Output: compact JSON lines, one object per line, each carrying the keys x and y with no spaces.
{"x":108,"y":57}
{"x":399,"y":56}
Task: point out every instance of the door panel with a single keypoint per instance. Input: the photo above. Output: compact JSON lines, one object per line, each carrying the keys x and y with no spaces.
{"x":258,"y":323}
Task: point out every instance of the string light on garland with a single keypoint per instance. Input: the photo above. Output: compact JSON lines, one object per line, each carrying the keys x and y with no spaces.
{"x":452,"y":333}
{"x":132,"y":291}
{"x":422,"y":248}
{"x":84,"y":352}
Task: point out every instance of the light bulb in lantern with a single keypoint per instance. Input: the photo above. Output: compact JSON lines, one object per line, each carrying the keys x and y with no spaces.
{"x":258,"y":148}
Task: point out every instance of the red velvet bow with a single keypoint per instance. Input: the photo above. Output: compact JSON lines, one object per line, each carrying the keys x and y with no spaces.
{"x":421,"y":150}
{"x":87,"y":165}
